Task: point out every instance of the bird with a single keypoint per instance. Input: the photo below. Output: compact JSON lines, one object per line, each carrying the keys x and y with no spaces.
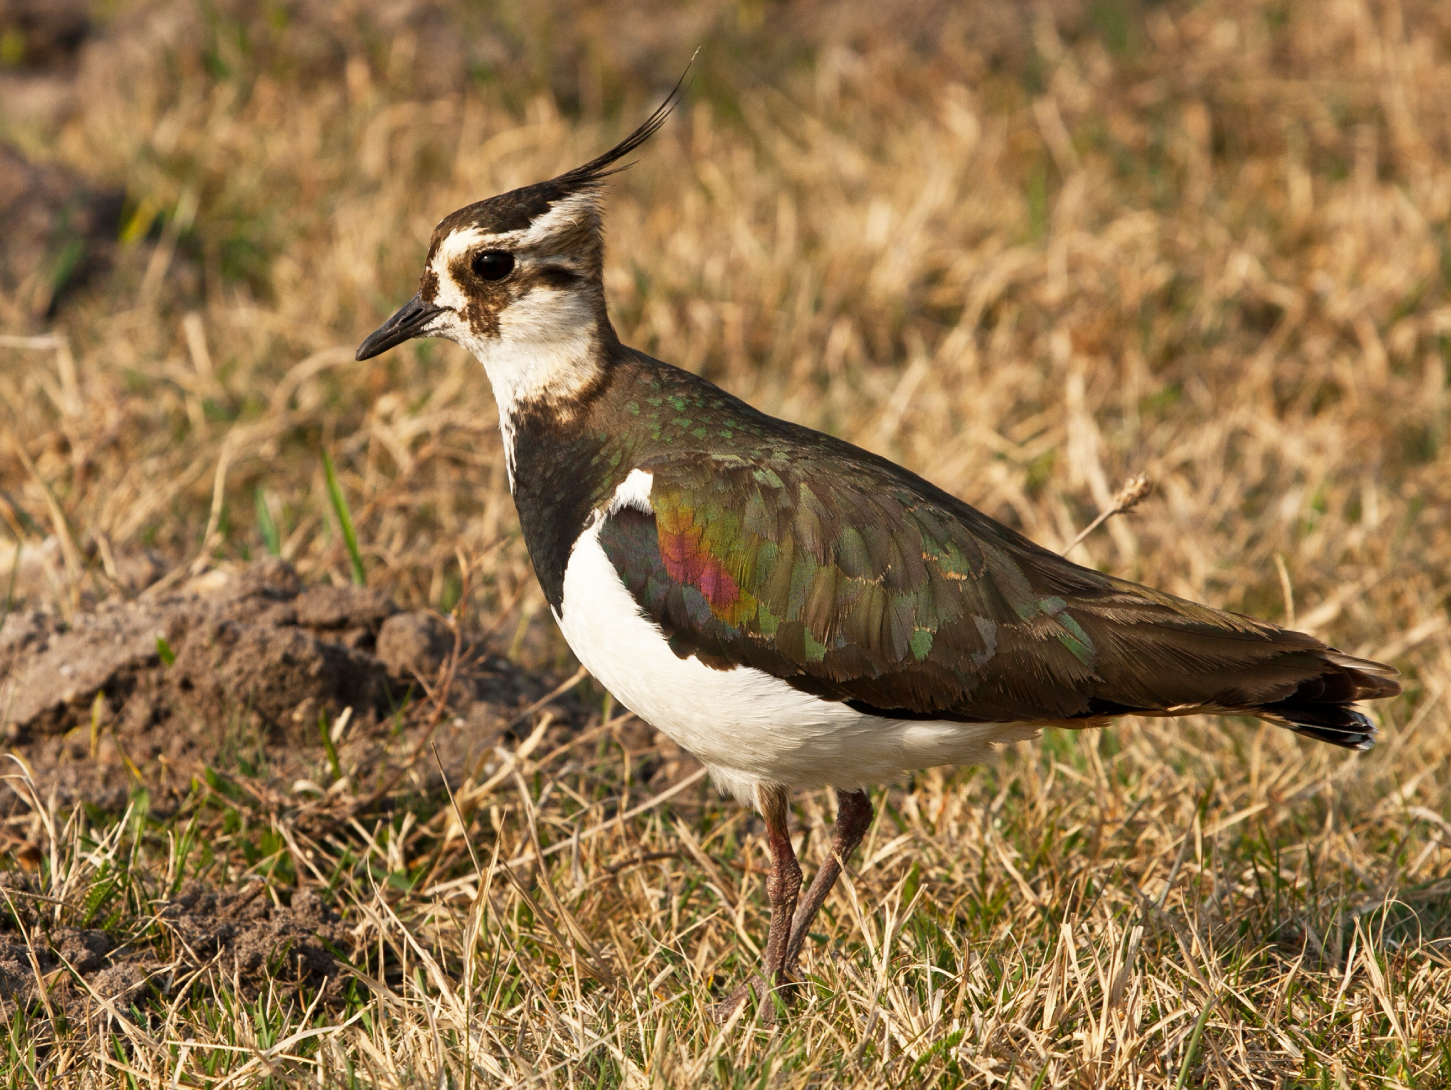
{"x":793,"y":610}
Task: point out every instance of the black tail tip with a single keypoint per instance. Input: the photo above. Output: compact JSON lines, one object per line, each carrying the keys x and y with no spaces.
{"x":1352,"y":729}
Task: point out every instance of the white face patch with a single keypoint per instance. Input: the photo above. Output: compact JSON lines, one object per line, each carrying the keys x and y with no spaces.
{"x":545,"y":347}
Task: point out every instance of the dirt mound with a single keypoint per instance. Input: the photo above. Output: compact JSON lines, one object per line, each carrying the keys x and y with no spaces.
{"x":248,"y":668}
{"x":248,"y":697}
{"x":87,"y":970}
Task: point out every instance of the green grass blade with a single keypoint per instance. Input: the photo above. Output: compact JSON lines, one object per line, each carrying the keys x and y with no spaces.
{"x":267,"y":525}
{"x":1193,"y":1049}
{"x":345,"y":520}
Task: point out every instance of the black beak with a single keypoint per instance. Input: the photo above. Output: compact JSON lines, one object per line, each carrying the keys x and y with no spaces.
{"x":410,"y":320}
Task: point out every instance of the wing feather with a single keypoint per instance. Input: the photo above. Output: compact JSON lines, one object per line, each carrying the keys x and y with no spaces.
{"x":854,"y":580}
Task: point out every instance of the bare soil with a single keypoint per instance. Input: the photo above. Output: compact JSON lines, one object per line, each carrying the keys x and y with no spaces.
{"x":244,"y":671}
{"x":103,"y":969}
{"x":226,"y":684}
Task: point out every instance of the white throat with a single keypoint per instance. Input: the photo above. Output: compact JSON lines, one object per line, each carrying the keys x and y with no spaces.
{"x":547,"y":348}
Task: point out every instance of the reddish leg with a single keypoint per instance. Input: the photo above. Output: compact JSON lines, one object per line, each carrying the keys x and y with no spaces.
{"x":783,"y":885}
{"x":853,"y":818}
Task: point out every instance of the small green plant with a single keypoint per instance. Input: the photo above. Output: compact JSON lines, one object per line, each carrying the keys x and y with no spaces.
{"x":267,"y":525}
{"x":163,"y":648}
{"x":345,"y":520}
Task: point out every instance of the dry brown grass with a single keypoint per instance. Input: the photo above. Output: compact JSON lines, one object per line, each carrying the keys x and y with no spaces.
{"x":1027,"y":253}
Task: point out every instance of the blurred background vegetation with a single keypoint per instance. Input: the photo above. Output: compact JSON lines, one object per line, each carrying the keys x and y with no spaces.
{"x":1027,"y":249}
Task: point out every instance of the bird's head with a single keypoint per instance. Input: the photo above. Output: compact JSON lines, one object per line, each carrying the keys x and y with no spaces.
{"x":516,"y":279}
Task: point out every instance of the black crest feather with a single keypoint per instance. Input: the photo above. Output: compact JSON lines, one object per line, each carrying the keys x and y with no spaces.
{"x":599,"y":168}
{"x":515,"y":210}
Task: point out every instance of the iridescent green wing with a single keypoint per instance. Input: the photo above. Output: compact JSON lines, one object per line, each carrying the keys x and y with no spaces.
{"x":858,"y":581}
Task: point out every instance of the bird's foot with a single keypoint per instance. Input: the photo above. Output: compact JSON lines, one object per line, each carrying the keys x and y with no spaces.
{"x":777,"y":998}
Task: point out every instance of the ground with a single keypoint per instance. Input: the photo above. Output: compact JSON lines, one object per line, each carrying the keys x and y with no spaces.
{"x":306,"y":786}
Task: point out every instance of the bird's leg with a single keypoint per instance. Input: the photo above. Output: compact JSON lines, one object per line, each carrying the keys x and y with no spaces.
{"x":853,"y":818}
{"x":783,"y":886}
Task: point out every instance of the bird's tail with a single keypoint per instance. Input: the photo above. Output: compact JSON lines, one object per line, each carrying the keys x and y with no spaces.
{"x":1323,"y":706}
{"x":1174,"y":657}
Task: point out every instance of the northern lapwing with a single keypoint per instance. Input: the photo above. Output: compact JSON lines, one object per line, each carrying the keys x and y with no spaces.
{"x":793,"y":610}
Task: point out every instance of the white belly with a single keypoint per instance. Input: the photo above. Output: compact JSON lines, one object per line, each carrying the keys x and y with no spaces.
{"x":746,"y":726}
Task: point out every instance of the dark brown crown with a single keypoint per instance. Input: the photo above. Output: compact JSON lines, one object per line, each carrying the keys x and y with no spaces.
{"x":517,"y":209}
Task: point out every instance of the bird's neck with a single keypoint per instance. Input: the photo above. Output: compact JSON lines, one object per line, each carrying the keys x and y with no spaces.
{"x":565,"y":458}
{"x":546,"y":359}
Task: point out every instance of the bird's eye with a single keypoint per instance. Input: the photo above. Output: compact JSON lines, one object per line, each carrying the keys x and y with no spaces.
{"x":493,"y":264}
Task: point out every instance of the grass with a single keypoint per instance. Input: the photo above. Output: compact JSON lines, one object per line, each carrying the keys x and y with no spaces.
{"x":1028,"y":252}
{"x":344,"y":516}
